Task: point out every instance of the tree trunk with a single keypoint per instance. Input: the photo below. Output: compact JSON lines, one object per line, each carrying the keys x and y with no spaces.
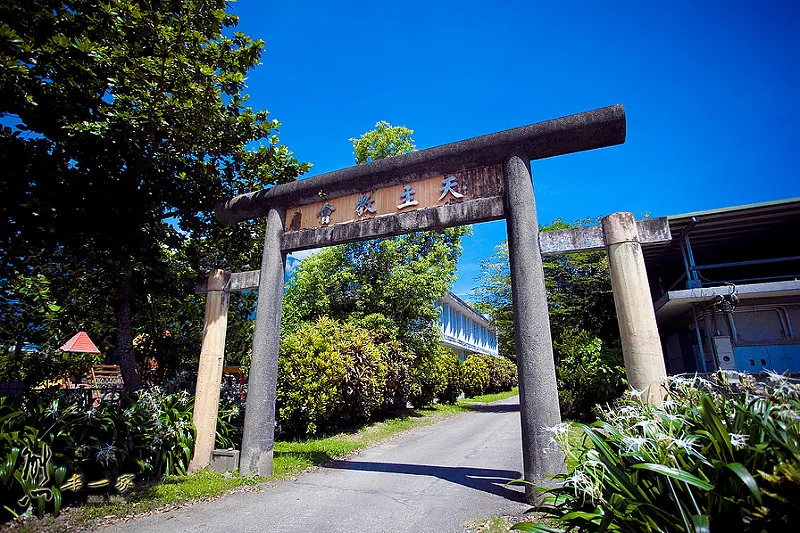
{"x":124,"y":347}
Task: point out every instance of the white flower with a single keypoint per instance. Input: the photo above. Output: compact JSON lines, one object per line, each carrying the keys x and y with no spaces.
{"x":738,"y":440}
{"x":558,"y":430}
{"x":636,"y":443}
{"x":685,"y":443}
{"x":627,"y":412}
{"x":633,"y":393}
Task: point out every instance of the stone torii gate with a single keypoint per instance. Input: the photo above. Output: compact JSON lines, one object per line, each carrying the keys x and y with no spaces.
{"x":476,"y":180}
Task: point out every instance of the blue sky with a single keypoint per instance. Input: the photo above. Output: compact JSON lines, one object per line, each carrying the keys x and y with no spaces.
{"x":710,"y":90}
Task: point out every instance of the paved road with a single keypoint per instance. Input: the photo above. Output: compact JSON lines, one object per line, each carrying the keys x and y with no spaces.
{"x":433,"y":479}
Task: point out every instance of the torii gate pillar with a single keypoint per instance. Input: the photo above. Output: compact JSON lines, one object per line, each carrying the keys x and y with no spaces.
{"x":538,"y":393}
{"x":258,"y":441}
{"x":641,"y":344}
{"x":209,"y":372}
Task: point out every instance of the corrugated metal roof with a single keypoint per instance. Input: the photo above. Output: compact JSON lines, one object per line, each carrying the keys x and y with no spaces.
{"x":716,"y":229}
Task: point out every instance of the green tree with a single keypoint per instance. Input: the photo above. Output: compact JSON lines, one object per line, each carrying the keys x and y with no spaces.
{"x":384,"y":141}
{"x":125,"y":122}
{"x":582,"y":320}
{"x":399,"y":278}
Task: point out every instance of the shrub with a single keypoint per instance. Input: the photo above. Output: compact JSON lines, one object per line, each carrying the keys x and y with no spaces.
{"x":436,"y":376}
{"x":587,"y":372}
{"x":54,"y":441}
{"x":330,"y":373}
{"x":399,"y":360}
{"x":502,"y":373}
{"x":719,"y":455}
{"x":450,"y":368}
{"x":474,"y":376}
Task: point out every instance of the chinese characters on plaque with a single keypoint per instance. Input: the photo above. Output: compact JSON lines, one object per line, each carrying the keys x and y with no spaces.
{"x":432,"y":192}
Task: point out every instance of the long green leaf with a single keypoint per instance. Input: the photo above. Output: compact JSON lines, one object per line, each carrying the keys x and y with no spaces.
{"x":747,"y":478}
{"x":675,"y":473}
{"x":701,"y":523}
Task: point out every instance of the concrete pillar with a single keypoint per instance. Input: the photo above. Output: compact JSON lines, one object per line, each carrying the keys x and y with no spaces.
{"x":641,"y":345}
{"x":209,"y":372}
{"x":259,"y":418}
{"x":538,"y":392}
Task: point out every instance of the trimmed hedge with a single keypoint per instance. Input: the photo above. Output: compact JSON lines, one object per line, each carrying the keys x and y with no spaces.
{"x":330,"y":376}
{"x":474,"y":376}
{"x":502,"y":374}
{"x":436,"y":376}
{"x":486,"y":374}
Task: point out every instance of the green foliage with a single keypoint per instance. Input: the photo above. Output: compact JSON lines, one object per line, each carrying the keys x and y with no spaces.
{"x":588,"y":373}
{"x":399,"y":360}
{"x":123,"y":123}
{"x":330,"y":374}
{"x":719,"y":455}
{"x":399,"y":279}
{"x":474,"y":376}
{"x":450,"y":371}
{"x":582,"y":313}
{"x":51,"y":438}
{"x":502,"y":373}
{"x":46,"y":363}
{"x":384,"y":141}
{"x":230,"y":424}
{"x":436,"y":376}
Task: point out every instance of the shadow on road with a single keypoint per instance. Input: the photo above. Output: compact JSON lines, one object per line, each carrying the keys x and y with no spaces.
{"x":491,"y":481}
{"x":495,"y":408}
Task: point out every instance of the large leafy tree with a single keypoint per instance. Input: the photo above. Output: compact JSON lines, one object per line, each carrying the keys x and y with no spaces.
{"x":392,"y":281}
{"x":124,"y":122}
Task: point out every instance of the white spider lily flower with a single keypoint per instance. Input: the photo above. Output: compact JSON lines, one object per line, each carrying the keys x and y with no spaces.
{"x":627,"y":412}
{"x":686,"y":443}
{"x":558,"y":430}
{"x":636,"y":443}
{"x":738,"y":440}
{"x":633,"y":393}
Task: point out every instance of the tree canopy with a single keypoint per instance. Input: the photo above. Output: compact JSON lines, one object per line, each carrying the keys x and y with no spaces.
{"x":392,"y":282}
{"x":124,"y":123}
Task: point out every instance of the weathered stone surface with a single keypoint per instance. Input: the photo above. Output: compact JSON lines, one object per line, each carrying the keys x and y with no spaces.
{"x":235,"y":281}
{"x":566,"y":241}
{"x":209,"y":372}
{"x":259,"y":420}
{"x":481,"y":210}
{"x":575,"y":133}
{"x":471,"y":184}
{"x":538,"y":392}
{"x":641,"y":344}
{"x":224,"y":460}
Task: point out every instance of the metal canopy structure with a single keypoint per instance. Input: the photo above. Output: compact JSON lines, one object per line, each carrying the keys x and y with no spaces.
{"x":755,"y":242}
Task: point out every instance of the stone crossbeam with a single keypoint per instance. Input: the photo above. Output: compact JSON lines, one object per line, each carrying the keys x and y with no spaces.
{"x":559,"y":242}
{"x":570,"y":241}
{"x":574,"y":133}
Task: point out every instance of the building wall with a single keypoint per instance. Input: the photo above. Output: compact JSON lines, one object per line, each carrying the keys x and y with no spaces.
{"x":463,"y":329}
{"x":760,"y":334}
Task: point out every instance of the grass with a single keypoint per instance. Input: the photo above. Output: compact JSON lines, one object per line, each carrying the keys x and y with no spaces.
{"x":291,"y":458}
{"x":489,"y":398}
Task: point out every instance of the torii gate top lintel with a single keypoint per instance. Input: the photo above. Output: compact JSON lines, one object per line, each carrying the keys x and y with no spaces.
{"x":574,"y":133}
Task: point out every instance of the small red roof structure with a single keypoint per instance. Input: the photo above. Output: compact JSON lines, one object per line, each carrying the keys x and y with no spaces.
{"x":80,"y":343}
